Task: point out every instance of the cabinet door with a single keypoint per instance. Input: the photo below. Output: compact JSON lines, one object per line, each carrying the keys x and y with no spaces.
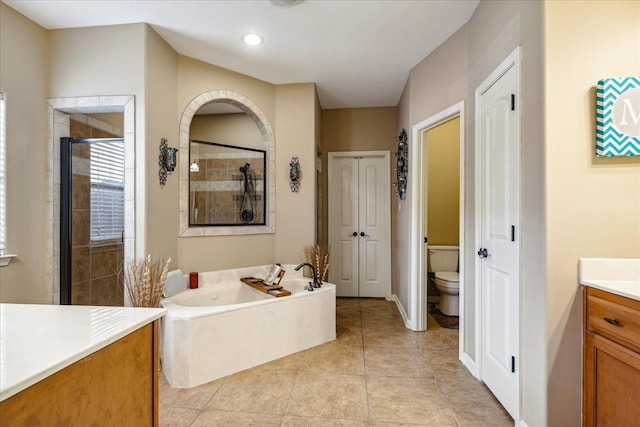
{"x":611,"y":383}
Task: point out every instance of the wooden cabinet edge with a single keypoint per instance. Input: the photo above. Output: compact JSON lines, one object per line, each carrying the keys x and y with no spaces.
{"x":594,"y":341}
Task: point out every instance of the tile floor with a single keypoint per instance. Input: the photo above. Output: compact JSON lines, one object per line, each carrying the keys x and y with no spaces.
{"x":376,"y":373}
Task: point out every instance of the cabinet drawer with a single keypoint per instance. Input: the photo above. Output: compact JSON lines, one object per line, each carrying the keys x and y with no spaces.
{"x":614,"y":320}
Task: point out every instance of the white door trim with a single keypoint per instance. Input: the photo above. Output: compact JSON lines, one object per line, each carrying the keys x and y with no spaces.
{"x":513,"y":60}
{"x":417,"y":316}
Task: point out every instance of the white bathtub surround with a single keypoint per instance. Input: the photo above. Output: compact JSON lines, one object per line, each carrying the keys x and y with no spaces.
{"x":616,"y":275}
{"x":226,"y":326}
{"x":37,"y":341}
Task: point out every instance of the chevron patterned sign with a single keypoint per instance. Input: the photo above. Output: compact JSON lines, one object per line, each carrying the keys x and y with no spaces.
{"x":618,"y":117}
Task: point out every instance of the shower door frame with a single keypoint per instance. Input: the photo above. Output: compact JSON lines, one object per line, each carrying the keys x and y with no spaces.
{"x":66,"y":229}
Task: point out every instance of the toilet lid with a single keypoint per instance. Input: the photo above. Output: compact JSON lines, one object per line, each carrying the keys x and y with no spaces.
{"x":448,"y":276}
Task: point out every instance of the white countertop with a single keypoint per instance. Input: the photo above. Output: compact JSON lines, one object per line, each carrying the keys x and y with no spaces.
{"x":615,"y":275}
{"x":39,"y":340}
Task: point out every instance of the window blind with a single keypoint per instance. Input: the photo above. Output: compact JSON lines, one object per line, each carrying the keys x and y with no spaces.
{"x":3,"y":174}
{"x":107,"y":190}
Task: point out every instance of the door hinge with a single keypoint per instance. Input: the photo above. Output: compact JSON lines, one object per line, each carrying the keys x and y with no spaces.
{"x":513,"y":102}
{"x":513,"y":233}
{"x":426,"y":239}
{"x":513,"y":363}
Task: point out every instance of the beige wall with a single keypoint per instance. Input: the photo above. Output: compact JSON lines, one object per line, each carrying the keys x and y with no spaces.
{"x":105,"y":61}
{"x":23,"y":68}
{"x":231,"y":129}
{"x":221,"y":252}
{"x":356,"y":129}
{"x":291,"y":111}
{"x":443,"y":183}
{"x":160,"y":104}
{"x":400,"y":218}
{"x":592,"y":204}
{"x":437,"y":82}
{"x":295,"y":137}
{"x":451,"y":74}
{"x":97,"y":61}
{"x":134,"y":60}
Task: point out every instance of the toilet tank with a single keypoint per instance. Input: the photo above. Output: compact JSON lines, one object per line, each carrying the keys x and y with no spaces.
{"x":442,"y":258}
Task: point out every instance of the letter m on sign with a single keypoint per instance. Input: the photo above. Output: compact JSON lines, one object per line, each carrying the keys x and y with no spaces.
{"x":618,"y":117}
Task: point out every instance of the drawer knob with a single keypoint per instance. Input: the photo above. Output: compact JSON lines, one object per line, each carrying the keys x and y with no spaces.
{"x":614,"y":322}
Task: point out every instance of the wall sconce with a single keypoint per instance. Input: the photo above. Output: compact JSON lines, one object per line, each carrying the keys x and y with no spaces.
{"x":167,"y":160}
{"x":294,"y":174}
{"x":402,"y":165}
{"x":194,"y":167}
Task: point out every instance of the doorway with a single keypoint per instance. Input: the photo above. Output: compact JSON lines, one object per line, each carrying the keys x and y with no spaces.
{"x":441,"y":214}
{"x":60,"y":111}
{"x":360,"y":223}
{"x":417,"y":311}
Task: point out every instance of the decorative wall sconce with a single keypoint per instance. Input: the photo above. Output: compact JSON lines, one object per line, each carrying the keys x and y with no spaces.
{"x":294,"y":174}
{"x":402,"y":167}
{"x":166,"y":160}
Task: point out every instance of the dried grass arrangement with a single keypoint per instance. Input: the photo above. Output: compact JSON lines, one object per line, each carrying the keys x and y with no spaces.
{"x":144,"y":280}
{"x":318,"y":256}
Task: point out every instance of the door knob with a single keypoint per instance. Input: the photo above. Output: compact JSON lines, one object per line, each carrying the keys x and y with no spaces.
{"x":355,"y":233}
{"x":482,"y":253}
{"x":363,"y":235}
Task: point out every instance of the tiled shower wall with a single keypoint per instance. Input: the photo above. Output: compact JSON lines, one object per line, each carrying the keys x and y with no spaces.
{"x":216,"y":191}
{"x":94,"y":264}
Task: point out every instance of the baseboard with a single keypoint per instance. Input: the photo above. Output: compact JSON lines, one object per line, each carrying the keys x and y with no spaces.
{"x":471,"y":366}
{"x":403,"y":313}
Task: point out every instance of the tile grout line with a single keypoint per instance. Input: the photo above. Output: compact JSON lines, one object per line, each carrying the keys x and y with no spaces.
{"x":364,"y":362}
{"x":455,"y":414}
{"x":295,"y":382}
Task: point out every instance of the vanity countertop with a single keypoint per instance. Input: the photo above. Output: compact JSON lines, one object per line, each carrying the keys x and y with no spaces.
{"x":615,"y":275}
{"x":39,"y":340}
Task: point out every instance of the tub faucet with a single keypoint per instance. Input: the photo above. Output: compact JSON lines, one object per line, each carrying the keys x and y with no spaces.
{"x":316,"y":283}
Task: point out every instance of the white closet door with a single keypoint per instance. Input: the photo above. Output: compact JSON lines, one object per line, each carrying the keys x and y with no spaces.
{"x":359,"y":223}
{"x":343,"y":224}
{"x":499,"y":223}
{"x":374,"y":232}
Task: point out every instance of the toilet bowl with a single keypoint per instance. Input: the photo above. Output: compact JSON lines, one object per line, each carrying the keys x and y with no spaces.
{"x":447,"y":283}
{"x":443,"y":264}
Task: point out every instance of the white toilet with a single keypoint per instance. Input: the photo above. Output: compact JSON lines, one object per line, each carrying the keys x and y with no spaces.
{"x":443,"y":261}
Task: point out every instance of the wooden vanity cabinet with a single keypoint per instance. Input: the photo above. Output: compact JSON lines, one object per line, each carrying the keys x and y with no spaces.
{"x":611,"y":359}
{"x":115,"y":386}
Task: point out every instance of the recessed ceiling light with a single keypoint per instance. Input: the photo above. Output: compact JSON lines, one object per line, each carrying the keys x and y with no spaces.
{"x":252,"y":39}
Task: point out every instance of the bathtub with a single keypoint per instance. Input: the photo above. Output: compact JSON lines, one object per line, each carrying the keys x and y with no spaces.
{"x":225,"y":326}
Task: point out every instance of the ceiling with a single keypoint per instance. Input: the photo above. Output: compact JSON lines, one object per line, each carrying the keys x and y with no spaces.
{"x":359,"y":53}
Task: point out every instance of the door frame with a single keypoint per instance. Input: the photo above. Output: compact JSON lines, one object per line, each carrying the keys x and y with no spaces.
{"x":513,"y":60}
{"x":58,"y":113}
{"x":417,"y":319}
{"x":374,"y":153}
